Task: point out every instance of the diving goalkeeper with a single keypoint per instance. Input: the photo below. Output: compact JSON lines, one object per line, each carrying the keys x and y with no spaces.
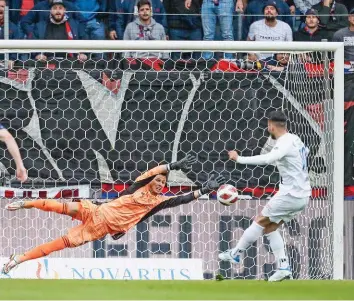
{"x":140,"y":201}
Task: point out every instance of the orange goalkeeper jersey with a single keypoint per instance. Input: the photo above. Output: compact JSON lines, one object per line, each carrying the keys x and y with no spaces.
{"x":126,"y":211}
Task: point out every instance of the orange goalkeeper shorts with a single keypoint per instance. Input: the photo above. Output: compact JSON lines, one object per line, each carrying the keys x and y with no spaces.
{"x":92,"y":227}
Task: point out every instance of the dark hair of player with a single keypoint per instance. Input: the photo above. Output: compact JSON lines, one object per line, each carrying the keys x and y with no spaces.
{"x":143,"y":2}
{"x":278,"y":118}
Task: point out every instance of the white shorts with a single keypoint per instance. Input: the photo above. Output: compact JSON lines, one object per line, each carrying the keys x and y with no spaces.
{"x":284,"y":208}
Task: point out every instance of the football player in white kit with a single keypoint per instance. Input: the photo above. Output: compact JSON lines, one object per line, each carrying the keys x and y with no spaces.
{"x":290,"y":156}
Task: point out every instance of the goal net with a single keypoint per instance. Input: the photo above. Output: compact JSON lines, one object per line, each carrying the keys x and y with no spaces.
{"x":88,"y":128}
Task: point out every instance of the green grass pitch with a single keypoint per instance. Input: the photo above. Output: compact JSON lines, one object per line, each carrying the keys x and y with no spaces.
{"x":11,"y":289}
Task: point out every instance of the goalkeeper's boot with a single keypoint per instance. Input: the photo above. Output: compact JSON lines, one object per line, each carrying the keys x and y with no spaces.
{"x":15,"y":206}
{"x":281,"y":274}
{"x":12,"y":263}
{"x":229,"y":256}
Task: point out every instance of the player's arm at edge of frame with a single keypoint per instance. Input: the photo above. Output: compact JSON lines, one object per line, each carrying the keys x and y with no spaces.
{"x":13,"y":149}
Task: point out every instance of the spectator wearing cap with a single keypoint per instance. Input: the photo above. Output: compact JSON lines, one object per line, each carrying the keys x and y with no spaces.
{"x":304,"y":5}
{"x":332,"y":15}
{"x":124,"y":12}
{"x":93,"y":12}
{"x":268,"y":29}
{"x":312,"y":31}
{"x":40,"y":12}
{"x":58,"y":26}
{"x":255,"y":11}
{"x":346,"y":35}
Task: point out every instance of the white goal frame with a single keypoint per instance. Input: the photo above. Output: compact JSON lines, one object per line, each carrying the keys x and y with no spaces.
{"x":19,"y":46}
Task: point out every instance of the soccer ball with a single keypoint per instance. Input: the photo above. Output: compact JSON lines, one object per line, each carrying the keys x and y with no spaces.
{"x":227,"y":194}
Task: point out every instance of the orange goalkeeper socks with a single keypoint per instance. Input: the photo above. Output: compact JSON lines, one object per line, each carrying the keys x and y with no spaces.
{"x":48,"y":205}
{"x":43,"y":250}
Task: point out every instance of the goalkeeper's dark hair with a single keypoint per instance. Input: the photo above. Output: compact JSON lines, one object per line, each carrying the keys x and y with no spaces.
{"x":143,"y":2}
{"x":278,"y":117}
{"x":165,"y":175}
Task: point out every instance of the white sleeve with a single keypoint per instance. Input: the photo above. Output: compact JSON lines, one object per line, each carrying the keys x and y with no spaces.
{"x":337,"y":37}
{"x":127,"y":32}
{"x":289,"y":34}
{"x":252,"y":32}
{"x":278,"y":152}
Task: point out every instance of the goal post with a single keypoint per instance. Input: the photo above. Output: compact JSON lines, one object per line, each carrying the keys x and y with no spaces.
{"x":338,"y":163}
{"x":333,"y":181}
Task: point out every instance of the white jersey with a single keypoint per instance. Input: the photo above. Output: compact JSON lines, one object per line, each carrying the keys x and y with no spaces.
{"x":290,"y":156}
{"x":260,"y":31}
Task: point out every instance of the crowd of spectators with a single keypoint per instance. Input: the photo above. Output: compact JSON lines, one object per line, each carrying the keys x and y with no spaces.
{"x":261,"y":20}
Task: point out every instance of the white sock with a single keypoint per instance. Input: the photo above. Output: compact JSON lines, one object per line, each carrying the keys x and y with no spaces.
{"x":276,"y":242}
{"x":251,"y":234}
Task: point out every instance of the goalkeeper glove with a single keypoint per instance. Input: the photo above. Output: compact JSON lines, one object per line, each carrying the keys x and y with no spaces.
{"x":185,"y":163}
{"x":212,"y":184}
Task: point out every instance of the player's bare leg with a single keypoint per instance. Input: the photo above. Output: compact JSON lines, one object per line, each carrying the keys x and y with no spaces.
{"x":37,"y":252}
{"x":70,"y":209}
